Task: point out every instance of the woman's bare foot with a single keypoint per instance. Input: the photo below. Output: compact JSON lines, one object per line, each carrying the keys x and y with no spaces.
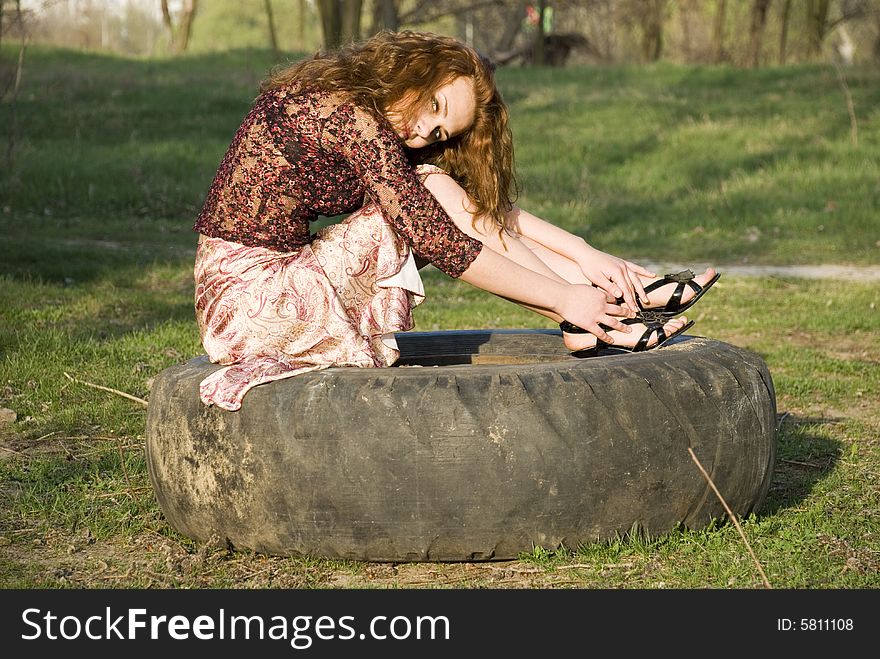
{"x":575,"y":342}
{"x":659,"y":297}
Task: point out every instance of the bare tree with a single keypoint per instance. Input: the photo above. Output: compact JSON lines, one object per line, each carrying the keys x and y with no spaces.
{"x":13,"y":84}
{"x":340,"y":21}
{"x":756,"y":31}
{"x":602,"y":17}
{"x":687,"y":10}
{"x":718,"y":52}
{"x":273,"y":34}
{"x":427,"y":11}
{"x":351,"y":20}
{"x":653,"y":14}
{"x":817,"y":25}
{"x":179,"y":34}
{"x":492,"y":26}
{"x":386,"y":16}
{"x":331,"y":23}
{"x":646,"y":18}
{"x":512,"y":25}
{"x":539,"y":57}
{"x":784,"y":16}
{"x":877,"y":38}
{"x":820,"y":22}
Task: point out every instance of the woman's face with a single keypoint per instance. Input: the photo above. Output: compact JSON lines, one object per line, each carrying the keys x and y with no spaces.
{"x":449,"y":112}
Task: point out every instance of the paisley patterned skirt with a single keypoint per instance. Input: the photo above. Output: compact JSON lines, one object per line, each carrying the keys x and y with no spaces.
{"x":267,"y":315}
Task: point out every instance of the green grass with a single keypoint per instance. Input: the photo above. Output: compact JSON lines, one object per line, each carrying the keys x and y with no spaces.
{"x":704,"y":163}
{"x":687,"y":164}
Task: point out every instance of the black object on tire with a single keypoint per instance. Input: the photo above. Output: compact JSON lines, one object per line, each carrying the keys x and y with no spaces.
{"x":478,"y":445}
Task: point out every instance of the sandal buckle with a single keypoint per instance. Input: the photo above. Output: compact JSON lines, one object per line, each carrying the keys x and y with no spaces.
{"x":681,"y":277}
{"x":649,"y":316}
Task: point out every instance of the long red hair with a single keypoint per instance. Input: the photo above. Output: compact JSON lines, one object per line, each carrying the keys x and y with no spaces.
{"x":408,"y":67}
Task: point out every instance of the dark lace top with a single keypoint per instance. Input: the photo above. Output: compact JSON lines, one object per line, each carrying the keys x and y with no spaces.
{"x":301,"y":154}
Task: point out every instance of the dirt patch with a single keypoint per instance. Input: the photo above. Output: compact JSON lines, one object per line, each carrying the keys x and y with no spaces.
{"x":151,"y":560}
{"x":861,"y":560}
{"x":844,"y":347}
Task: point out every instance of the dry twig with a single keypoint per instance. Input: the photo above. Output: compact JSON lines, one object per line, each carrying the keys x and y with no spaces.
{"x":732,"y":516}
{"x":112,"y":391}
{"x":850,"y":107}
{"x":803,"y":464}
{"x":130,"y":491}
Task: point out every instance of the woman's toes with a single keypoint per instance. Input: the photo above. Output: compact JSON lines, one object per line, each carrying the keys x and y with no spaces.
{"x":660,"y":297}
{"x":629,"y":339}
{"x":706,"y":277}
{"x":576,"y":342}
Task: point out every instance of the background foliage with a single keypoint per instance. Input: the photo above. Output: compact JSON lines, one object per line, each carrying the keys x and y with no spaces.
{"x":682,"y":31}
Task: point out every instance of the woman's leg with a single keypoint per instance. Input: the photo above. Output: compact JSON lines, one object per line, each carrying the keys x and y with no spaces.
{"x":526,"y":253}
{"x":570,"y":271}
{"x":659,"y":296}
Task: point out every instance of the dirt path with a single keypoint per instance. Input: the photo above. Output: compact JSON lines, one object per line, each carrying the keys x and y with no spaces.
{"x":847,"y":272}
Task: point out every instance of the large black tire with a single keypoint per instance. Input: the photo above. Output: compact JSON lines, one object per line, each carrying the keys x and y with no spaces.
{"x":508,"y":444}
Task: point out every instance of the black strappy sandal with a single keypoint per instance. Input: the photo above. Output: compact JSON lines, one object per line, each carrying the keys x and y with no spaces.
{"x":674,"y":306}
{"x":640,"y":346}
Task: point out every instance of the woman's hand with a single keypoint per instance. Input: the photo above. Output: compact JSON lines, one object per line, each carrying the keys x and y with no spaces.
{"x":617,"y":277}
{"x":588,"y":306}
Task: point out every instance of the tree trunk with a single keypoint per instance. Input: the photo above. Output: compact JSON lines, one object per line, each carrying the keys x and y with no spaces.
{"x":15,"y":84}
{"x":179,"y":35}
{"x":877,"y":40}
{"x":718,"y":54}
{"x":783,"y":30}
{"x":385,"y":16}
{"x":756,"y":31}
{"x":331,"y":23}
{"x":167,"y":22}
{"x":273,"y":35}
{"x":539,"y":54}
{"x":817,"y":24}
{"x":652,"y":30}
{"x":687,"y":9}
{"x":350,"y":23}
{"x":186,"y":21}
{"x":340,"y":21}
{"x":512,"y":27}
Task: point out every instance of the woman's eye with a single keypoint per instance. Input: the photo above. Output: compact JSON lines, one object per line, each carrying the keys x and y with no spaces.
{"x":437,"y":134}
{"x":434,"y":105}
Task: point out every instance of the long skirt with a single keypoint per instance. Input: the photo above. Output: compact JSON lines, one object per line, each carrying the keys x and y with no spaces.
{"x":267,"y":315}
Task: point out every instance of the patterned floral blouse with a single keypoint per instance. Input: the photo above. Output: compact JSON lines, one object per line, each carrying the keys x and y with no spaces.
{"x":301,"y":154}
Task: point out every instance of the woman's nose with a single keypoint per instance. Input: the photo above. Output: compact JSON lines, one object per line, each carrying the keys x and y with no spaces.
{"x":420,"y":129}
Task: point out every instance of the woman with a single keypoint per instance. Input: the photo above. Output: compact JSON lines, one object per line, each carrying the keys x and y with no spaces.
{"x":407,"y":132}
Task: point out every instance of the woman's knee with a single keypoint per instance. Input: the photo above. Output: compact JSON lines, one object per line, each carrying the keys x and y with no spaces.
{"x":455,"y":201}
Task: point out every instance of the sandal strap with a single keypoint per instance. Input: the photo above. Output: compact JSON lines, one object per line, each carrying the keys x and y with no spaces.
{"x":652,"y":326}
{"x":682,"y":279}
{"x":571,"y":328}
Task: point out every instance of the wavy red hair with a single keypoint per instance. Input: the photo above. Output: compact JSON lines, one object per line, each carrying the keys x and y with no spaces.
{"x":403,"y":70}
